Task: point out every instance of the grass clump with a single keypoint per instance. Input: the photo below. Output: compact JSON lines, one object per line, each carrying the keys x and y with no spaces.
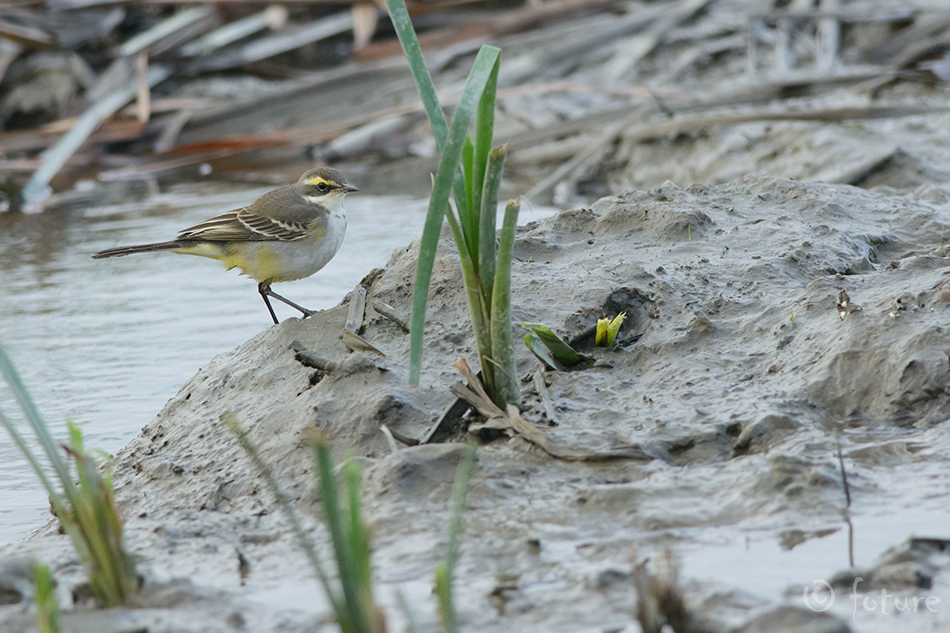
{"x":86,"y":510}
{"x":469,"y":173}
{"x":47,"y":607}
{"x":351,"y":594}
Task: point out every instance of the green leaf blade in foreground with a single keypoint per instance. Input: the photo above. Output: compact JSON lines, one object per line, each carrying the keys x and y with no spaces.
{"x":350,"y":618}
{"x":54,"y":496}
{"x":47,"y":606}
{"x":93,"y":517}
{"x":86,"y":511}
{"x":478,"y":308}
{"x":358,"y":544}
{"x":438,"y":203}
{"x":283,"y":502}
{"x":36,"y":421}
{"x":445,"y":571}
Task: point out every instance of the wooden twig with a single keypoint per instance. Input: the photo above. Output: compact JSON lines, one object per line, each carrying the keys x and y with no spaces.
{"x":829,"y":40}
{"x":632,"y":50}
{"x":8,"y":52}
{"x":585,"y":156}
{"x":390,"y":313}
{"x":399,"y":437}
{"x":286,"y":40}
{"x":273,"y":17}
{"x":170,"y":131}
{"x":927,"y":25}
{"x":27,"y":37}
{"x":365,"y":19}
{"x":510,"y":420}
{"x":449,"y":423}
{"x":157,"y":38}
{"x":154,"y":166}
{"x":307,"y":358}
{"x":143,"y":97}
{"x":357,"y":343}
{"x":56,"y":156}
{"x":389,"y":438}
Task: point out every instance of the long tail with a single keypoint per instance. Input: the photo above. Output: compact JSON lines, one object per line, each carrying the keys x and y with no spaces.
{"x":142,"y":248}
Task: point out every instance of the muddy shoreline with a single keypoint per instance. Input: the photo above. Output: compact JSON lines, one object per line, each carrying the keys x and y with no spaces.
{"x":773,"y":320}
{"x":744,"y":376}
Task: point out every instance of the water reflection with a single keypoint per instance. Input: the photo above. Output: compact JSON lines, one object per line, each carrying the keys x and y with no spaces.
{"x":33,"y":240}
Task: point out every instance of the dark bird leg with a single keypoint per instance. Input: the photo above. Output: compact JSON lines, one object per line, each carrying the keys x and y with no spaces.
{"x":266,"y":292}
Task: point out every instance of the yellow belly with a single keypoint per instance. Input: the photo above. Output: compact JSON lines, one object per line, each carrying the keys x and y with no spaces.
{"x":261,"y":264}
{"x":270,"y":262}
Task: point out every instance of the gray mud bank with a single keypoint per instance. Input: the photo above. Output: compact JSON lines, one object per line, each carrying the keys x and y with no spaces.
{"x":769,"y":321}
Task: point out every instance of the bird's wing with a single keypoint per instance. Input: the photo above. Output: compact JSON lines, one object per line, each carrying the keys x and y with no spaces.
{"x":244,"y":225}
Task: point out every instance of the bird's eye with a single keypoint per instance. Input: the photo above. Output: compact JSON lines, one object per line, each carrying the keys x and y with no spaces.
{"x":323,"y":187}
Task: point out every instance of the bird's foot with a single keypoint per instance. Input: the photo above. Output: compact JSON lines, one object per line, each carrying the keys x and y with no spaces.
{"x":266,"y":292}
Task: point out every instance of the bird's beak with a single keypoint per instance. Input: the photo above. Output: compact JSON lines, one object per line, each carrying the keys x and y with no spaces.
{"x":349,"y":189}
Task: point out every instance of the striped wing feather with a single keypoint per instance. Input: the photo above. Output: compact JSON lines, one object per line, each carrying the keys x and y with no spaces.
{"x":249,"y":225}
{"x":243,"y":225}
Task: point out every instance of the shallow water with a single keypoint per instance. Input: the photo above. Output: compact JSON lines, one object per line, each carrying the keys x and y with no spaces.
{"x":106,"y":343}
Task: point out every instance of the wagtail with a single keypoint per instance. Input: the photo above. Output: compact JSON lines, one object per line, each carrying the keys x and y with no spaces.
{"x":286,"y":234}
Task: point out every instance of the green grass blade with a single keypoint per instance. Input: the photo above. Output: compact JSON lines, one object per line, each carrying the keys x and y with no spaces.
{"x":430,"y":101}
{"x":36,"y":421}
{"x":468,"y":156}
{"x":47,"y":606}
{"x":358,"y":537}
{"x":468,"y":213}
{"x":443,"y":591}
{"x":358,"y":543}
{"x":86,"y":511}
{"x":417,"y":65}
{"x":484,"y":131}
{"x":420,"y":291}
{"x":483,"y":246}
{"x":445,"y":572}
{"x":459,"y":494}
{"x":487,"y":253}
{"x":54,"y":495}
{"x":302,"y":536}
{"x":507,"y":385}
{"x":353,"y":619}
{"x":478,"y":309}
{"x":95,"y":517}
{"x":438,"y":203}
{"x":437,"y":208}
